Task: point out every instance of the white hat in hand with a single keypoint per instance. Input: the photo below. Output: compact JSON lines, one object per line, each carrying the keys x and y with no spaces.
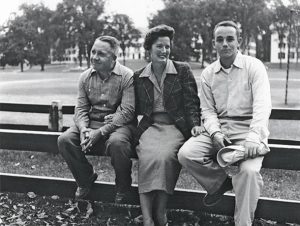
{"x":233,"y":153}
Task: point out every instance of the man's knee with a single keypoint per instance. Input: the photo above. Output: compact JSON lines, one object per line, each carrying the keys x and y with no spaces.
{"x":62,"y":141}
{"x":117,"y":146}
{"x":249,"y":171}
{"x":183,"y":154}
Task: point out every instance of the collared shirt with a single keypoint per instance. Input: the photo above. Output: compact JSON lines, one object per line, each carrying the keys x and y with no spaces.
{"x":98,"y":98}
{"x":158,"y":105}
{"x":239,"y":94}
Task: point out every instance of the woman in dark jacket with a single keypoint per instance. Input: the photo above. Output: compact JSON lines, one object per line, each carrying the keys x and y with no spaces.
{"x":166,"y":94}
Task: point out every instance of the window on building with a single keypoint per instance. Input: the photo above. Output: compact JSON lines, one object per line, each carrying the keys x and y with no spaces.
{"x":281,"y":55}
{"x":298,"y":55}
{"x":281,"y":45}
{"x":292,"y":55}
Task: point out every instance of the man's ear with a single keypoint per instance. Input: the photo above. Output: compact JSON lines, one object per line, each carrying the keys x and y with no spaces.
{"x":213,"y":43}
{"x":240,"y":41}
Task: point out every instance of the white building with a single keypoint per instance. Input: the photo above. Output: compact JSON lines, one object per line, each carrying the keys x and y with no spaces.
{"x":280,"y":50}
{"x":71,"y":54}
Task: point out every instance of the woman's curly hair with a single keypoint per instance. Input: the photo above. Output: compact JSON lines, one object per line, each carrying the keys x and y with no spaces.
{"x":158,"y":31}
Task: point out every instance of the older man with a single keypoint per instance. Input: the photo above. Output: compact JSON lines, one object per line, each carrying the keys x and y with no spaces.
{"x":236,"y":105}
{"x":104,"y":119}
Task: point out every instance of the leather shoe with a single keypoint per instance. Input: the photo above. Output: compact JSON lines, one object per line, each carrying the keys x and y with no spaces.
{"x":213,"y":199}
{"x":121,"y":198}
{"x":82,"y":192}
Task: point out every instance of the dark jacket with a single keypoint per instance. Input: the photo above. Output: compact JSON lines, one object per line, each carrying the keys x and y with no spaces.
{"x":180,"y":99}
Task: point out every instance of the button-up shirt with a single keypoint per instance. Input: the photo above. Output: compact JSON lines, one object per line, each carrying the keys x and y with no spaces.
{"x":239,"y":96}
{"x":158,"y":105}
{"x":98,"y":98}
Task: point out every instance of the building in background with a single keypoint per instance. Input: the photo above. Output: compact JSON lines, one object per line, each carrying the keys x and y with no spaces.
{"x":279,"y":50}
{"x":135,"y":51}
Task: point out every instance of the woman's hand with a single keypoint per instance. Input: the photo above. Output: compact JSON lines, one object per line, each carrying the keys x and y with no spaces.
{"x":108,"y":118}
{"x":197,"y":130}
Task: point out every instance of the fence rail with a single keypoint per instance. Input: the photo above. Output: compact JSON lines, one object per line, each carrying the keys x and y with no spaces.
{"x":277,"y":113}
{"x":285,"y":154}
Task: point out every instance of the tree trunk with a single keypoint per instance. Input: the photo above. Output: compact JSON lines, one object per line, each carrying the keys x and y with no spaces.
{"x":42,"y":67}
{"x":123,"y":52}
{"x":280,"y":61}
{"x":80,"y":59}
{"x":203,"y":57}
{"x":22,"y":66}
{"x":88,"y":61}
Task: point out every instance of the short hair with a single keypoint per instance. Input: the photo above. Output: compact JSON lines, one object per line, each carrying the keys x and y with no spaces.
{"x":112,"y":41}
{"x":228,"y":23}
{"x":154,"y":33}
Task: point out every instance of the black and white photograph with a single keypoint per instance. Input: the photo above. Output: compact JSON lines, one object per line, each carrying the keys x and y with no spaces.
{"x":150,"y":112}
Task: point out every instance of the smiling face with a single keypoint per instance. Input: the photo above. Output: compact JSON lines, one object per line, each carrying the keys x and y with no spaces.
{"x":226,"y":42}
{"x":102,"y":58}
{"x":160,"y":50}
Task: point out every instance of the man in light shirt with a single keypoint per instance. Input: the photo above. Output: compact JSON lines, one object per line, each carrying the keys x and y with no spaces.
{"x":236,"y":105}
{"x":104,"y":120}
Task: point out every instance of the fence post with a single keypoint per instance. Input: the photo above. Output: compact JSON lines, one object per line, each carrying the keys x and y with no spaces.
{"x":55,"y":117}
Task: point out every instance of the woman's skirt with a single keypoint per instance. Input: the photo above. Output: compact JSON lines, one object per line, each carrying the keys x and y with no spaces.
{"x":158,"y":163}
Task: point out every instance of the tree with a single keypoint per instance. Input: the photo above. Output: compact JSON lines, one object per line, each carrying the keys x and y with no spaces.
{"x":191,"y":19}
{"x":121,"y":27}
{"x":199,"y":17}
{"x":79,"y":24}
{"x":179,"y":15}
{"x":19,"y":37}
{"x":40,"y":19}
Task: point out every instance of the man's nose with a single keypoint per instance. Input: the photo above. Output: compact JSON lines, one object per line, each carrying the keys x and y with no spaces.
{"x":225,"y":43}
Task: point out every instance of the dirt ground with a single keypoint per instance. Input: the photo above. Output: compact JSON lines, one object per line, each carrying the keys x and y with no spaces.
{"x":30,"y":209}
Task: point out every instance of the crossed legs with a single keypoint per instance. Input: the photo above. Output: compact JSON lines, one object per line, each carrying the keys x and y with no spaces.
{"x":197,"y":156}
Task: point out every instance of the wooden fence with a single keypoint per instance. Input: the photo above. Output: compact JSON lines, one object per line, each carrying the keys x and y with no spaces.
{"x":285,"y":154}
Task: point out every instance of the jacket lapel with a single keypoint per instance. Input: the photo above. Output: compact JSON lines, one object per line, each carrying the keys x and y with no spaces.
{"x":168,"y":85}
{"x":148,"y":86}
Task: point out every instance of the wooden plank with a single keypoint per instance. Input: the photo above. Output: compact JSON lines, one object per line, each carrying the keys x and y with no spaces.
{"x":29,"y":140}
{"x":33,"y":108}
{"x":283,"y":157}
{"x":280,"y":157}
{"x":285,"y":114}
{"x":45,"y":128}
{"x":284,"y":142}
{"x":68,"y":109}
{"x":268,"y":208}
{"x":29,"y":127}
{"x":24,"y":127}
{"x":277,"y":113}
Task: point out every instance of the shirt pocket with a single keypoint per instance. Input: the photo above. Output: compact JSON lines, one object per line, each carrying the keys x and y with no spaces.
{"x":93,"y":90}
{"x":115,"y":91}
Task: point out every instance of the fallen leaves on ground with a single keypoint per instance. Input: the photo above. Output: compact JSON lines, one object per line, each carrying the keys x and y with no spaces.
{"x":32,"y":209}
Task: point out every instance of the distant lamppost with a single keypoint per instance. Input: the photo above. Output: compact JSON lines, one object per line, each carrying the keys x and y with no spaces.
{"x":288,"y":55}
{"x":200,"y":47}
{"x":123,"y":47}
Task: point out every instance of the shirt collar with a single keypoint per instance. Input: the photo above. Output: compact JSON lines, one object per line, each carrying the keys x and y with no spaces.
{"x":237,"y":63}
{"x":170,"y":69}
{"x":116,"y":70}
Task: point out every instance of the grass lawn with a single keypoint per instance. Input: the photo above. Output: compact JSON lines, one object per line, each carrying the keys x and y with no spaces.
{"x":282,"y":184}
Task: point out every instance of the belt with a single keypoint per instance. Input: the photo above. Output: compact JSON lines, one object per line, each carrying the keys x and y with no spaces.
{"x":238,"y":118}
